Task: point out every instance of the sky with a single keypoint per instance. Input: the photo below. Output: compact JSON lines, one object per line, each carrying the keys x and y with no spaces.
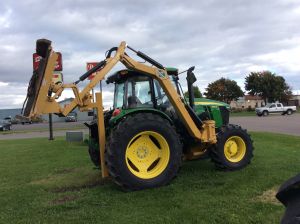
{"x":220,"y":38}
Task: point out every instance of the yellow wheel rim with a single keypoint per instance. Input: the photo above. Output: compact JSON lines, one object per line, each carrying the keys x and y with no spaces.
{"x":235,"y":149}
{"x":147,"y":154}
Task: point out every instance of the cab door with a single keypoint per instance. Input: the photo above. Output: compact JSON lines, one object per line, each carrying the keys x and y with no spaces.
{"x":279,"y":107}
{"x":272,"y":108}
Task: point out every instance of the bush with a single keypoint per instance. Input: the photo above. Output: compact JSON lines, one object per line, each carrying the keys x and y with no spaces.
{"x":249,"y":109}
{"x":236,"y":110}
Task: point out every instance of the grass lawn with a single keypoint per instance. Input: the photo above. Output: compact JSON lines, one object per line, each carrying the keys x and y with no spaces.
{"x":45,"y":181}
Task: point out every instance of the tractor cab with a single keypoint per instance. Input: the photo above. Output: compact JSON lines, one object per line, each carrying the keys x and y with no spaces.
{"x":135,"y":90}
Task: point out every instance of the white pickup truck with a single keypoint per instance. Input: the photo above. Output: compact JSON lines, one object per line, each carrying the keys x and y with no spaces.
{"x":274,"y":108}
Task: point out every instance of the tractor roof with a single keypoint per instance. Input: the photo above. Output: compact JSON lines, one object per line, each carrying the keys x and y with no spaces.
{"x":124,"y":74}
{"x":121,"y":76}
{"x":172,"y":71}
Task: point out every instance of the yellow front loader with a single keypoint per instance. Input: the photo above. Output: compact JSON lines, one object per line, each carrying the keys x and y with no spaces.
{"x":141,"y":143}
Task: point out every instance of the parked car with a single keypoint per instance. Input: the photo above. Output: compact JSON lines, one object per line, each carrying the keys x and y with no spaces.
{"x":26,"y":122}
{"x":5,"y":125}
{"x":275,"y":108}
{"x":12,"y":120}
{"x":71,"y":118}
{"x":8,"y":119}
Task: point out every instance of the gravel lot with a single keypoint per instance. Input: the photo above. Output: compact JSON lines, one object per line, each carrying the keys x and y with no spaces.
{"x":272,"y":123}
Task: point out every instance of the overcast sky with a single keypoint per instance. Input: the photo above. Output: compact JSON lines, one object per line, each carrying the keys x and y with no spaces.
{"x":221,"y":38}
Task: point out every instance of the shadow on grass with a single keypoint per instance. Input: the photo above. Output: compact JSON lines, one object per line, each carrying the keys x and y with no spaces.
{"x":70,"y":180}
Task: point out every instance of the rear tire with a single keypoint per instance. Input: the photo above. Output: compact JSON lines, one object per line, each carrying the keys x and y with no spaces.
{"x":234,"y":148}
{"x":143,"y":151}
{"x":289,"y":112}
{"x":94,"y":152}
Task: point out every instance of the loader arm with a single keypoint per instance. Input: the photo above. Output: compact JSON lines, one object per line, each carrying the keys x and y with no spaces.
{"x":47,"y":103}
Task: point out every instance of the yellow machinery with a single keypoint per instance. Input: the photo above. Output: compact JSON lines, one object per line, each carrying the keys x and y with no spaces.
{"x":138,"y":155}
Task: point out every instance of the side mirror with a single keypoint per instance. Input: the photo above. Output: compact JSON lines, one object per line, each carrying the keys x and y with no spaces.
{"x":191,"y":78}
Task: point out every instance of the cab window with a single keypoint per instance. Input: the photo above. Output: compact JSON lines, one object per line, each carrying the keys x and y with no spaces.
{"x":272,"y":106}
{"x":139,"y":92}
{"x":119,"y":95}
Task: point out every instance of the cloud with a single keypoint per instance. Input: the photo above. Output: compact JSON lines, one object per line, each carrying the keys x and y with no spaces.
{"x":221,"y":38}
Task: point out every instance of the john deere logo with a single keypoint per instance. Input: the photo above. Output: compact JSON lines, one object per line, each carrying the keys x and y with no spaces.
{"x":161,"y":73}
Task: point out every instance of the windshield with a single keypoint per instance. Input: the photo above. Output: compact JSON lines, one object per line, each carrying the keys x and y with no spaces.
{"x":268,"y":104}
{"x":139,"y":92}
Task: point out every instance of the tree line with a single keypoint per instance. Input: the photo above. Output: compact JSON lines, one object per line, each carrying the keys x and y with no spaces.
{"x":269,"y":86}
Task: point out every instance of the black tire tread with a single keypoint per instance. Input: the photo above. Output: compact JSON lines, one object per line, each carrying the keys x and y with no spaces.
{"x":116,"y":135}
{"x":216,"y":155}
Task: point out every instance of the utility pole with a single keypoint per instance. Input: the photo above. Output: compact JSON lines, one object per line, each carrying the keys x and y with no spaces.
{"x":50,"y":128}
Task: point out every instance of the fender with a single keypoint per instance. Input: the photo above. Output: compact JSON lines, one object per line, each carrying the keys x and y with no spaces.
{"x":115,"y":120}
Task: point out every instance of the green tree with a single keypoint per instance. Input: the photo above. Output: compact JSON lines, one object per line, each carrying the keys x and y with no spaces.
{"x":269,"y":86}
{"x":197,"y":92}
{"x":224,"y":90}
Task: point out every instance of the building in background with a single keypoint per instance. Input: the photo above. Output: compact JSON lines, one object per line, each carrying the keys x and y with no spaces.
{"x":294,"y":101}
{"x":247,"y":102}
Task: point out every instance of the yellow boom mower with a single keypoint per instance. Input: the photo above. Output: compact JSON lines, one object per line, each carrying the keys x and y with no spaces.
{"x":139,"y":143}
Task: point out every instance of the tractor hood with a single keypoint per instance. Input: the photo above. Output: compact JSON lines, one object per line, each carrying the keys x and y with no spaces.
{"x":209,"y":102}
{"x":212,"y":109}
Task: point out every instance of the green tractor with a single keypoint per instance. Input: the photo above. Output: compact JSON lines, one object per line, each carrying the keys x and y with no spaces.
{"x":151,"y":129}
{"x":147,"y":141}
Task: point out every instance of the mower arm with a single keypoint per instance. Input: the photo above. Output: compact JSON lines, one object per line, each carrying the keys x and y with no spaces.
{"x":46,"y":102}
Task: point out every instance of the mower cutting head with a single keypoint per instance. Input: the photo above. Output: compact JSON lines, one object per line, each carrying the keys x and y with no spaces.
{"x":43,"y":49}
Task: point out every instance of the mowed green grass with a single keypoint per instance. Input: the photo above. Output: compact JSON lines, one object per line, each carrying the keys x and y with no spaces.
{"x":243,"y":114}
{"x":45,"y":181}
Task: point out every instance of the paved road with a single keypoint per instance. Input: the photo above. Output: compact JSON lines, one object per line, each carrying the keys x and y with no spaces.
{"x":37,"y":134}
{"x":41,"y":130}
{"x":272,"y":123}
{"x":44,"y":126}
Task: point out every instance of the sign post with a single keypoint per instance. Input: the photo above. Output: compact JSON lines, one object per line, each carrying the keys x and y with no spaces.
{"x":50,"y":128}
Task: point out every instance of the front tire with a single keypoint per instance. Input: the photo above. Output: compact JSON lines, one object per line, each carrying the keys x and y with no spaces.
{"x":265,"y":113}
{"x":234,"y":148}
{"x":143,"y":151}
